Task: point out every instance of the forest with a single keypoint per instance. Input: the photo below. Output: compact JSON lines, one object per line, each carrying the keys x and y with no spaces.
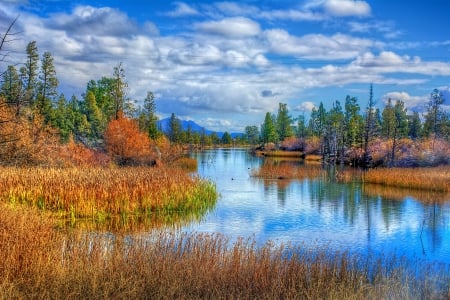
{"x":40,"y":126}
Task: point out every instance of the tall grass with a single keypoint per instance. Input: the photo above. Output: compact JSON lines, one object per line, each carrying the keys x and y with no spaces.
{"x":434,"y":179}
{"x":101,"y":193}
{"x":41,"y":262}
{"x":286,"y":170}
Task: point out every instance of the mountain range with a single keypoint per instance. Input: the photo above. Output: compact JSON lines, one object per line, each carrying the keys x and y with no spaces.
{"x":163,"y":125}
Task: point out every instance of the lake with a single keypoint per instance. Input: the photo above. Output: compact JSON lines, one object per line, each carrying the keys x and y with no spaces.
{"x":321,"y":212}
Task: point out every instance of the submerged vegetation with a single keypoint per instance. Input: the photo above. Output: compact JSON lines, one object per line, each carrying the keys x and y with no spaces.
{"x":104,"y":193}
{"x":41,"y":262}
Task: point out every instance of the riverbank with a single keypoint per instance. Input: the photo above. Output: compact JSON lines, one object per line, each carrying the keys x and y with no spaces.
{"x":102,"y":194}
{"x":39,"y":261}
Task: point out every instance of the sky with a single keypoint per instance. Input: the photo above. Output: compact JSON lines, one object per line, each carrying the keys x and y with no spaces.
{"x":225,"y":64}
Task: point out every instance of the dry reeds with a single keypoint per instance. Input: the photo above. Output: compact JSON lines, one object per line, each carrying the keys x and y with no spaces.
{"x":40,"y":262}
{"x":273,"y":170}
{"x":433,"y":179}
{"x":100,"y":193}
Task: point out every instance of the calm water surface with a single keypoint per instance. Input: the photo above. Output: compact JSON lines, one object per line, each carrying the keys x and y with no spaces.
{"x":321,"y":212}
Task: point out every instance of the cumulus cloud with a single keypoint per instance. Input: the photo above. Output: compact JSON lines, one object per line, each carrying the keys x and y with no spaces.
{"x":318,"y":46}
{"x":411,"y":102}
{"x":182,"y":10}
{"x":390,"y":62}
{"x":237,"y":9}
{"x":305,"y":106}
{"x":345,"y":8}
{"x":236,"y":27}
{"x":88,"y":20}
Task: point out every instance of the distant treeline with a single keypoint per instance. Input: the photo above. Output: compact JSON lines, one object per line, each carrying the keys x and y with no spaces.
{"x":32,"y":110}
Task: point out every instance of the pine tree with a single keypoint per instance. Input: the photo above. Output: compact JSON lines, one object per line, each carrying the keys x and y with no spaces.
{"x":268,"y":129}
{"x":47,"y":87}
{"x":29,"y":73}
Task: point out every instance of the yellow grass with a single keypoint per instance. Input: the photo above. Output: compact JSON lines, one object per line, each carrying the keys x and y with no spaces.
{"x":39,"y":262}
{"x":279,"y":153}
{"x":434,"y":179}
{"x":273,"y":170}
{"x":100,"y":193}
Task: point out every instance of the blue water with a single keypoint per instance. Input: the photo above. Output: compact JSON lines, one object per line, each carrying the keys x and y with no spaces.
{"x":319,"y":212}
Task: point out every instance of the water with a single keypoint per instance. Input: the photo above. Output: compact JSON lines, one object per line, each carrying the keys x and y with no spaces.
{"x":320,"y":212}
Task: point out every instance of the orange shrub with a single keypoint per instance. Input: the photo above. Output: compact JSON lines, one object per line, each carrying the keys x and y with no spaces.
{"x":126,"y":144}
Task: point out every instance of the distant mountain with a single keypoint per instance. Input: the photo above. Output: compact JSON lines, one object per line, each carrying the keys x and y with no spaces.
{"x":163,"y":125}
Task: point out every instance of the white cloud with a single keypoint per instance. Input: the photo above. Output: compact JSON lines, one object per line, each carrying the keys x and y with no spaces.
{"x":305,"y":106}
{"x":237,"y":27}
{"x":182,"y":10}
{"x":390,"y":62}
{"x":345,"y":8}
{"x":87,"y":20}
{"x":237,"y":9}
{"x":411,"y":102}
{"x":318,"y":46}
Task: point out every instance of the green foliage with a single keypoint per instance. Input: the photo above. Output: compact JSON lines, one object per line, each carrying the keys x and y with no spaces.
{"x":252,"y":134}
{"x":226,"y":139}
{"x":283,"y":122}
{"x":268,"y":130}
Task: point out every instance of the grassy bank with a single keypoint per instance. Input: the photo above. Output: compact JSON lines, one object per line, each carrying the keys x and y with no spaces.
{"x":433,"y":179}
{"x":103,"y":193}
{"x":41,"y":262}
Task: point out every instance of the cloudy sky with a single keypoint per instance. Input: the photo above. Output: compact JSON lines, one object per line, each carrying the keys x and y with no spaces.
{"x":225,"y":64}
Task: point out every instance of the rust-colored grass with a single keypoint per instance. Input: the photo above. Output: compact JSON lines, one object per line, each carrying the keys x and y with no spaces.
{"x":434,"y":179}
{"x":39,"y":262}
{"x":100,"y":193}
{"x":273,"y":170}
{"x":280,"y":153}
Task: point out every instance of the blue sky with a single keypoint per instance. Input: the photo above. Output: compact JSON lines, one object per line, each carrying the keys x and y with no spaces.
{"x":225,"y":64}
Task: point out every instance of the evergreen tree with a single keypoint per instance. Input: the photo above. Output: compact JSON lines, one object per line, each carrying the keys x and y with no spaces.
{"x":47,"y":87}
{"x":11,"y":89}
{"x":94,"y":116}
{"x":268,"y":130}
{"x":369,"y":129}
{"x":435,"y":119}
{"x":283,"y":122}
{"x":335,"y":131}
{"x":29,"y":72}
{"x":175,"y":129}
{"x":414,"y":126}
{"x":388,"y":120}
{"x":151,"y":118}
{"x":353,"y":122}
{"x":226,"y":139}
{"x":119,"y":89}
{"x":252,"y":134}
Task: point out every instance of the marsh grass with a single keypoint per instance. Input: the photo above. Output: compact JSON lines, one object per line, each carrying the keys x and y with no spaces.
{"x":286,"y":170}
{"x":433,"y":179}
{"x":39,"y":261}
{"x":100,"y":194}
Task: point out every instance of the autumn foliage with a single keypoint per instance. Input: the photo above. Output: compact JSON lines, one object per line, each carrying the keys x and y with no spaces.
{"x":126,"y":144}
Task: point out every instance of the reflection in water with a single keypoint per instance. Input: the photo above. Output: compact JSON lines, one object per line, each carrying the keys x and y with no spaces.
{"x":317,"y":210}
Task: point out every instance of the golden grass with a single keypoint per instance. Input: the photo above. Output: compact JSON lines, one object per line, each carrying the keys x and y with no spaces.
{"x":433,"y":179}
{"x":273,"y":170}
{"x":101,"y":193}
{"x":39,"y":262}
{"x":280,"y":153}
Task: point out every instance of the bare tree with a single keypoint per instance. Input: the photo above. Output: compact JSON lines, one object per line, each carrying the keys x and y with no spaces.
{"x":5,"y":38}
